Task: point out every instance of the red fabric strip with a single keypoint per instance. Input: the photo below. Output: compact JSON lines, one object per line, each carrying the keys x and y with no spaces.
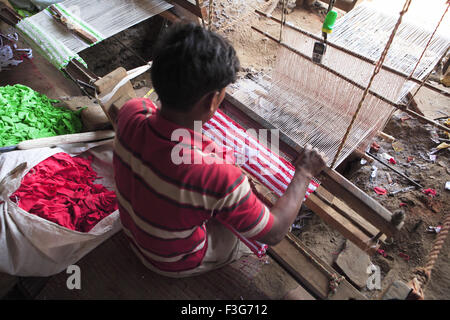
{"x":61,"y":189}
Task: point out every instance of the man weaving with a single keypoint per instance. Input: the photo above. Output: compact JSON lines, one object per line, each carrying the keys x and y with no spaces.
{"x":177,"y":216}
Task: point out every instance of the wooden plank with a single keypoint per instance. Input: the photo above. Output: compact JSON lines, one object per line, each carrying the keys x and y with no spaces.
{"x":300,"y":266}
{"x":355,"y":198}
{"x":359,"y":201}
{"x":195,"y":9}
{"x":343,"y":209}
{"x":63,"y":20}
{"x":297,"y":259}
{"x":106,"y":84}
{"x":8,"y":14}
{"x":340,"y":223}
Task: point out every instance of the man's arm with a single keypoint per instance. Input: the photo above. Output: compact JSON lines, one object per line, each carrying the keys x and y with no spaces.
{"x":309,"y":163}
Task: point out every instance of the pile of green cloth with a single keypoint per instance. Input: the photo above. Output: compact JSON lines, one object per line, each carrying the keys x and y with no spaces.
{"x":26,"y":114}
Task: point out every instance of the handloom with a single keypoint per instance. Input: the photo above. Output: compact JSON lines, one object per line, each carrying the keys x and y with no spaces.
{"x":97,"y":20}
{"x":315,"y":103}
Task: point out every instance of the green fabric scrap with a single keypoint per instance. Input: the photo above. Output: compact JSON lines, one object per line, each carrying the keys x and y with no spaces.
{"x":26,"y":114}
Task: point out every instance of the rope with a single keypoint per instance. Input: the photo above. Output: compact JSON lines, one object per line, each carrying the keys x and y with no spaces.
{"x":421,"y":56}
{"x":211,"y":5}
{"x":423,"y":275}
{"x":283,"y":19}
{"x":375,"y":72}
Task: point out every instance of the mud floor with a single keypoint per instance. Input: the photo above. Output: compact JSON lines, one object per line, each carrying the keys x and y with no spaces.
{"x":410,"y":247}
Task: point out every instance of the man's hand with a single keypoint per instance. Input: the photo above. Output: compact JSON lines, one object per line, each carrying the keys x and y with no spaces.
{"x":310,"y":162}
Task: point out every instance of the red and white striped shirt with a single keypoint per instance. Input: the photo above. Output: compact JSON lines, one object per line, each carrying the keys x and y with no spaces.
{"x":164,"y":206}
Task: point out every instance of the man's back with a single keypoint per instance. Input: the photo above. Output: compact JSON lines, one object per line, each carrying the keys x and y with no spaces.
{"x":164,"y":204}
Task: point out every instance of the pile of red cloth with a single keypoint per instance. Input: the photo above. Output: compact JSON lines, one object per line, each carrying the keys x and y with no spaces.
{"x":61,"y":189}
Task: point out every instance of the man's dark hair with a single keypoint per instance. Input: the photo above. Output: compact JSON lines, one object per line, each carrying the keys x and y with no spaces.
{"x":189,"y":62}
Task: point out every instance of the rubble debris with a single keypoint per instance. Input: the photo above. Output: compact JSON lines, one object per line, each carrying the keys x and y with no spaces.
{"x":404,"y":256}
{"x":402,"y":190}
{"x":353,"y":262}
{"x":380,"y":191}
{"x":429,"y":192}
{"x":374,"y":147}
{"x":432,"y":229}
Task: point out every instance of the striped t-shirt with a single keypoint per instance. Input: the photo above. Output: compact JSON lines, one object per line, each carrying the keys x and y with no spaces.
{"x":164,"y":204}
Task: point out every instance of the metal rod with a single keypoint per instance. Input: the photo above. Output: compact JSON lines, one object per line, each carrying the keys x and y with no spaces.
{"x":395,"y":170}
{"x":395,"y":105}
{"x":356,"y":55}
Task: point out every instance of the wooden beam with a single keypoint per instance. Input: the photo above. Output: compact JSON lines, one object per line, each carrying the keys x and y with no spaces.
{"x":297,"y":259}
{"x":106,"y":84}
{"x":359,"y":201}
{"x":308,"y":269}
{"x":341,"y":224}
{"x":170,"y":16}
{"x":8,"y":15}
{"x":342,"y":208}
{"x":195,"y":9}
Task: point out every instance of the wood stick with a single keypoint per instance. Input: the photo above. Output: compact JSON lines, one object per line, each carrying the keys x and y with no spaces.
{"x":386,"y":137}
{"x":65,"y":139}
{"x":58,"y":16}
{"x":396,"y":171}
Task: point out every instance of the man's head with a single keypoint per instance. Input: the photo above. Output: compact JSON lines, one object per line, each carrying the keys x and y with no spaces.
{"x":191,"y":68}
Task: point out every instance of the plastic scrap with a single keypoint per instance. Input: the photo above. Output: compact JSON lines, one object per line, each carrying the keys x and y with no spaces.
{"x":434,"y":136}
{"x":409,"y":159}
{"x":373,"y":174}
{"x":430,"y":192}
{"x":447,"y":185}
{"x":10,"y":55}
{"x":403,"y":119}
{"x":443,"y":145}
{"x":397,"y":146}
{"x":402,"y":190}
{"x":404,"y":256}
{"x":380,"y":190}
{"x":61,"y":189}
{"x":26,"y":114}
{"x":389,"y":158}
{"x":382,"y":252}
{"x":392,"y":161}
{"x":434,"y":229}
{"x":375,"y":146}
